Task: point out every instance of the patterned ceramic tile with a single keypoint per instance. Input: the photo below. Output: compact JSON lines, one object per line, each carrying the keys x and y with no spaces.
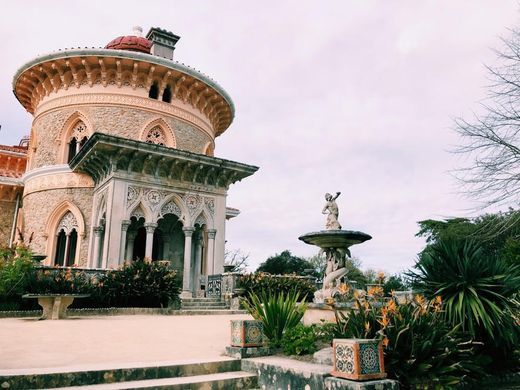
{"x":369,"y":358}
{"x":246,"y":333}
{"x":358,"y":359}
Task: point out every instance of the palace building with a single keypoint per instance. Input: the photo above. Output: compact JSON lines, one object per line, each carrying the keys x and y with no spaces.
{"x":120,"y":161}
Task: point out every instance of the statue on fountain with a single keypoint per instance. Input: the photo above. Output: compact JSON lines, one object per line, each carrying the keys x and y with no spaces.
{"x":335,"y":243}
{"x":331,"y":208}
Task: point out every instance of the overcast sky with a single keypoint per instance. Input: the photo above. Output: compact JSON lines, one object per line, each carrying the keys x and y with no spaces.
{"x":350,"y":96}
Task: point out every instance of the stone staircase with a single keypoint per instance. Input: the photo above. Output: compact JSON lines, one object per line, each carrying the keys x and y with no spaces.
{"x":204,"y":304}
{"x":224,"y":373}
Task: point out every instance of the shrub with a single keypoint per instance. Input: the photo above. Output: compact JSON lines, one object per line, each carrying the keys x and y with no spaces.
{"x":300,"y":340}
{"x":304,"y":340}
{"x":421,"y":350}
{"x":279,"y":312}
{"x":260,"y":282}
{"x":58,"y":281}
{"x":15,"y":266}
{"x":477,"y":290}
{"x":140,"y":284}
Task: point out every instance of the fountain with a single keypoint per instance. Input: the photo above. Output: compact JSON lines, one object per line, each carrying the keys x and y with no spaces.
{"x":335,"y":243}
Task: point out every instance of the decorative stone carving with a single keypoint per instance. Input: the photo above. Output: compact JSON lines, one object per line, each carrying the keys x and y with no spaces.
{"x":127,"y":100}
{"x":68,"y":223}
{"x":79,"y":130}
{"x":125,"y":224}
{"x":212,"y":233}
{"x":171,"y":208}
{"x":210,"y":205}
{"x":188,"y":231}
{"x":153,"y":197}
{"x":193,"y":202}
{"x":155,"y":136}
{"x":200,"y":220}
{"x":56,"y":181}
{"x":132,"y":194}
{"x":138,"y":213}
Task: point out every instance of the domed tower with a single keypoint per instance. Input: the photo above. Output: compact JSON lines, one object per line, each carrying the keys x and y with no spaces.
{"x":120,"y":160}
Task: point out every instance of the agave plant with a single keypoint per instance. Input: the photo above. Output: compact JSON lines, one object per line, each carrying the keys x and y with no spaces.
{"x":277,"y":311}
{"x":476,"y":289}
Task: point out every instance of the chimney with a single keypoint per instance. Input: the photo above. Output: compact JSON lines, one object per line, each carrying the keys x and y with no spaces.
{"x":163,"y":42}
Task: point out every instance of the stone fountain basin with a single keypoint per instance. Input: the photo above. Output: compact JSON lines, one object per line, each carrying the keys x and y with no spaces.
{"x":335,"y":238}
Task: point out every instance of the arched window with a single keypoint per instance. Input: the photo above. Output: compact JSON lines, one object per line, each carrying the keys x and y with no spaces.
{"x":154,"y":91}
{"x":83,"y":142}
{"x":66,"y":241}
{"x":73,"y":147}
{"x":78,"y":138}
{"x":167,"y":95}
{"x":155,"y":136}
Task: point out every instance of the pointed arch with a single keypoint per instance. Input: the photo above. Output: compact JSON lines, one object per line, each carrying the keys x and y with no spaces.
{"x":54,"y":221}
{"x":173,"y":204}
{"x":203,"y":218}
{"x":140,"y":211}
{"x":76,"y":126}
{"x":159,"y":125}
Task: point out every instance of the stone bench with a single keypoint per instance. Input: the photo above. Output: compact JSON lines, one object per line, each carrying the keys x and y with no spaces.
{"x":54,"y":305}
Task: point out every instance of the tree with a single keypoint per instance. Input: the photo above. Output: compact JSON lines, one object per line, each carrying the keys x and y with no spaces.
{"x":491,"y":140}
{"x":286,"y":263}
{"x":498,"y":234}
{"x":237,"y":258}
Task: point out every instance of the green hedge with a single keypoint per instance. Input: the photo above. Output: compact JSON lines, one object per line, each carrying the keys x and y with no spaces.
{"x":138,"y":284}
{"x":259,"y":282}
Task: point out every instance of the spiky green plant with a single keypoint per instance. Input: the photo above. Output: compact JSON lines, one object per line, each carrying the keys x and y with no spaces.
{"x":277,"y":311}
{"x":476,"y":289}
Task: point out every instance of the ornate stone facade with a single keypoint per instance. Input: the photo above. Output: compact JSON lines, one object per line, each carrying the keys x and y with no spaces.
{"x":120,"y":160}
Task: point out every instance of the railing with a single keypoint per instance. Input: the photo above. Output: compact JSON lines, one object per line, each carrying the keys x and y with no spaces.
{"x":214,"y":287}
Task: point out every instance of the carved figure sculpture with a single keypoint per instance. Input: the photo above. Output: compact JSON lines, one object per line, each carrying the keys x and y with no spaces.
{"x":331,"y":208}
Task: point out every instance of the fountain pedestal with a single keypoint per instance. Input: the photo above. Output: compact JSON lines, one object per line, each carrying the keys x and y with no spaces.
{"x":335,"y":244}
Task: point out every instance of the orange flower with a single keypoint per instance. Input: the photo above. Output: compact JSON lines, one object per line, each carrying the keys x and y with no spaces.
{"x":385,"y":342}
{"x":419,"y":299}
{"x":367,"y":326}
{"x":437,"y":304}
{"x":384,"y":321}
{"x":376,"y":291}
{"x":343,"y":288}
{"x":391,"y":306}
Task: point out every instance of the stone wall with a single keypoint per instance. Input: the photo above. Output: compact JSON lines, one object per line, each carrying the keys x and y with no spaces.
{"x":38,"y":207}
{"x":6,"y":221}
{"x":125,"y":122}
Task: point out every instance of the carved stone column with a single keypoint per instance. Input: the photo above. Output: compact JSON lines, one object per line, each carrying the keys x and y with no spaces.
{"x":125,"y":223}
{"x":67,"y":246}
{"x":166,"y":247}
{"x":210,"y":258}
{"x":129,"y":253}
{"x":98,"y":232}
{"x":150,"y":228}
{"x":198,"y":261}
{"x":186,"y":290}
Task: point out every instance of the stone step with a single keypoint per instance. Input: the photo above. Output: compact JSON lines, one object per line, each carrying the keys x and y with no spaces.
{"x":225,"y":380}
{"x":201,"y":300}
{"x":204,"y":308}
{"x":188,"y":312}
{"x":45,"y":378}
{"x":203,"y":304}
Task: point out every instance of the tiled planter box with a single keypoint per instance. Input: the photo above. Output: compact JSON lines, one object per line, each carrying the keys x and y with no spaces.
{"x":358,"y":359}
{"x":246,"y":333}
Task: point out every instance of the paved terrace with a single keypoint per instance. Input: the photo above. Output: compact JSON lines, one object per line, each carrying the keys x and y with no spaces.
{"x":99,"y":341}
